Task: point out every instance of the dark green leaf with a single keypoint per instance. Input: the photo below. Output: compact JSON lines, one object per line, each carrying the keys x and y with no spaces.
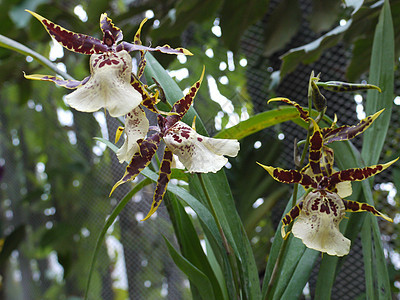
{"x":278,"y":32}
{"x":197,"y":277}
{"x":237,"y":16}
{"x":309,"y":53}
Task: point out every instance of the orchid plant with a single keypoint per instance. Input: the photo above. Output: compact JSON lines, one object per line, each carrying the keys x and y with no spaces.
{"x":318,"y":214}
{"x":314,"y":218}
{"x":112,"y":85}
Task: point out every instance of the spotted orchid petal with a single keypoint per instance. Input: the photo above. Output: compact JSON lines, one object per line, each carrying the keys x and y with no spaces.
{"x":111,"y":33}
{"x":290,"y":176}
{"x":137,"y":41}
{"x":199,"y":153}
{"x":141,"y":159}
{"x":109,"y":86}
{"x":289,"y":218}
{"x":353,"y":206}
{"x":136,"y":128}
{"x":67,"y":83}
{"x":76,"y":42}
{"x":318,"y":223}
{"x":181,"y":107}
{"x":315,"y":152}
{"x":302,"y":112}
{"x":346,"y":132}
{"x":357,"y":174}
{"x":163,"y":49}
{"x":162,"y":182}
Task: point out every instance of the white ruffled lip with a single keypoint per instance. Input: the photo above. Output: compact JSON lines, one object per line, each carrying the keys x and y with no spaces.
{"x":109,"y":86}
{"x":199,"y":153}
{"x":136,"y":128}
{"x":318,"y":223}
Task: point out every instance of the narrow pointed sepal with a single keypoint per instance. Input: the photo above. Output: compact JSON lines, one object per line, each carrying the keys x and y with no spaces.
{"x":163,"y":49}
{"x":162,"y":182}
{"x":107,"y":27}
{"x":346,"y":132}
{"x":69,"y":84}
{"x":315,"y":153}
{"x":353,"y":206}
{"x":357,"y":174}
{"x":289,"y":218}
{"x":182,"y":105}
{"x":302,"y":112}
{"x":290,"y":176}
{"x":76,"y":42}
{"x":140,"y":160}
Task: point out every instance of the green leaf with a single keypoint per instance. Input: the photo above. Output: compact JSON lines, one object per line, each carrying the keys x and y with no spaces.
{"x":311,"y":52}
{"x":107,"y":225}
{"x":11,"y":242}
{"x":259,"y":122}
{"x":324,"y":15}
{"x":237,"y":16}
{"x":278,"y":33}
{"x":382,"y":75}
{"x":7,"y":43}
{"x":190,"y":244}
{"x":200,"y":280}
{"x":185,"y":12}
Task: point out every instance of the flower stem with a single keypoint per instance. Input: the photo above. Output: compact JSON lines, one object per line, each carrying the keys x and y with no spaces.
{"x":228,"y":248}
{"x":279,"y":260}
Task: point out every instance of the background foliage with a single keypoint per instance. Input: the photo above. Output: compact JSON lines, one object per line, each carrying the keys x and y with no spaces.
{"x":54,"y":178}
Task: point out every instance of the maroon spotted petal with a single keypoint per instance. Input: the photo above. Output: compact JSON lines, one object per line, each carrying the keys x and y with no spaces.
{"x":357,"y":174}
{"x":69,"y":84}
{"x":182,"y":105}
{"x":76,"y":42}
{"x":162,"y":182}
{"x":346,"y":132}
{"x":141,"y":159}
{"x":316,"y":143}
{"x":111,"y":33}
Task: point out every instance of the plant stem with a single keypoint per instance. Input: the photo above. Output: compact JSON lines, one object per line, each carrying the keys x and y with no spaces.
{"x":228,"y":248}
{"x":22,"y":49}
{"x":278,"y":263}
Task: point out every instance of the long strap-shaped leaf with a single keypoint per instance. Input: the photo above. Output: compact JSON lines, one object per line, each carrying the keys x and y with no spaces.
{"x":382,"y":75}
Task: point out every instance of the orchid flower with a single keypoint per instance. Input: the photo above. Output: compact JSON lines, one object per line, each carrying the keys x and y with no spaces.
{"x":197,"y":153}
{"x":111,"y":83}
{"x":317,"y":217}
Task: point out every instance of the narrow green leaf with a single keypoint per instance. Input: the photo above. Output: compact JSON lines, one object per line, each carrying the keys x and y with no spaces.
{"x":189,"y":242}
{"x":199,"y":279}
{"x":237,"y":16}
{"x":107,"y":225}
{"x":277,"y":33}
{"x":311,"y":52}
{"x":8,"y":43}
{"x":259,"y":122}
{"x":382,"y":75}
